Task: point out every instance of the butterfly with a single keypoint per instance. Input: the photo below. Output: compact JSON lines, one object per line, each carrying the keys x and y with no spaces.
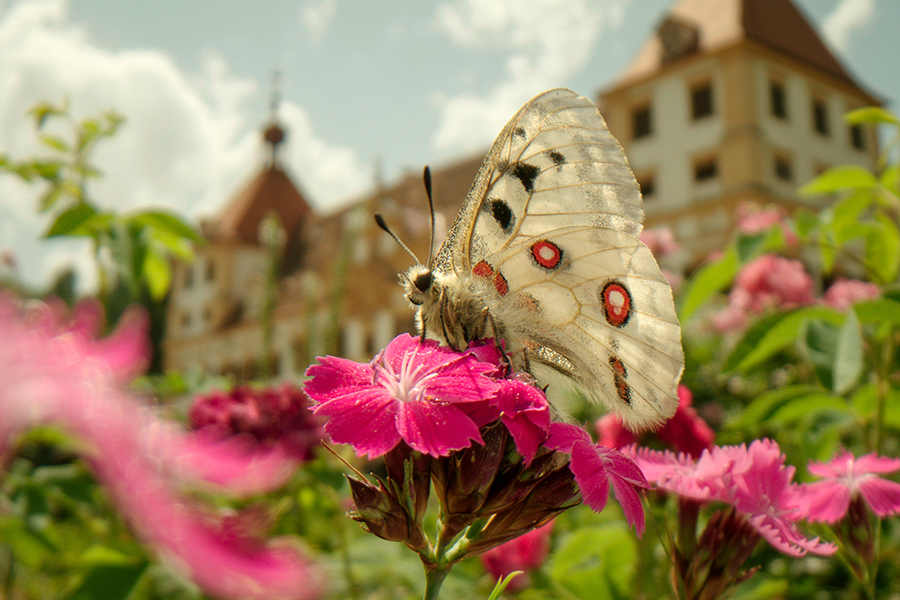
{"x":545,"y":256}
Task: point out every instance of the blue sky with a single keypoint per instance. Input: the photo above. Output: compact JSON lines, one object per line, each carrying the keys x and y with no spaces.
{"x":397,"y":84}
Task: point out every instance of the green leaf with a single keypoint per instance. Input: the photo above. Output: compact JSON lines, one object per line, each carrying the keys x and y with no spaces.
{"x":839,"y":179}
{"x":174,"y":244}
{"x":166,"y":221}
{"x":760,"y":410}
{"x":596,"y":563}
{"x":848,"y":362}
{"x":109,"y":581}
{"x":69,"y":221}
{"x":809,"y":407}
{"x":890,"y":179}
{"x":880,"y":310}
{"x":806,"y":222}
{"x":54,"y":141}
{"x":871,"y":114}
{"x":772,"y":334}
{"x":710,"y":279}
{"x":883,"y":249}
{"x":821,"y":348}
{"x":157,"y":274}
{"x":43,"y":110}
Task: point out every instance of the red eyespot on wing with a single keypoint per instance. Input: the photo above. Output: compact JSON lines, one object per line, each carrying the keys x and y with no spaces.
{"x":546,"y":254}
{"x":616,"y":302}
{"x":483,"y":269}
{"x":623,"y":390}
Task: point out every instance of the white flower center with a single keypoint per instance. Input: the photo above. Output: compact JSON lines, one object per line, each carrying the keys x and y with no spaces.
{"x":407,"y":384}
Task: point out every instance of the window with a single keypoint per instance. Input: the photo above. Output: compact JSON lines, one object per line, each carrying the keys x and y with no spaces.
{"x":210,"y":270}
{"x":188,"y":276}
{"x":648,"y":187}
{"x":701,"y":100}
{"x":784,"y":170}
{"x":705,"y":170}
{"x":778,"y":99}
{"x":641,"y":124}
{"x":857,"y":136}
{"x":820,"y":117}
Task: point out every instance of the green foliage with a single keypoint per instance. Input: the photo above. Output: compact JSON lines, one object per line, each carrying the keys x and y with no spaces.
{"x":134,"y":249}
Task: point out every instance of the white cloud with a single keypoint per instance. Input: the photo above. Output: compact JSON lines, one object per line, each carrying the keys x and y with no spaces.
{"x":545,"y":41}
{"x":848,"y":17}
{"x":317,"y":16}
{"x":187,"y":144}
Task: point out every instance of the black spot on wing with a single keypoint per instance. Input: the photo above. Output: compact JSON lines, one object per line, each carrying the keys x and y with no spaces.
{"x":557,"y":158}
{"x":502,"y":214}
{"x":526,"y":174}
{"x":519,"y":132}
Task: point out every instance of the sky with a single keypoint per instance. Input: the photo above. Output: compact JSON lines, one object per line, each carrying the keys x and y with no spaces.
{"x":369,"y":89}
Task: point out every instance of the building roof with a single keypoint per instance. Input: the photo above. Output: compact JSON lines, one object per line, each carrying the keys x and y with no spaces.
{"x":271,"y":190}
{"x":778,"y":24}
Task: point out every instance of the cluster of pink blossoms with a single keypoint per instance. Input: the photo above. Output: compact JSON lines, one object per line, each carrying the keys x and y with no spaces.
{"x":773,"y":282}
{"x":55,"y":371}
{"x":486,"y":440}
{"x":753,"y":219}
{"x":754,"y":480}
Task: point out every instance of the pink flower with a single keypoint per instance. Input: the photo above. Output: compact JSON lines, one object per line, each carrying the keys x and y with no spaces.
{"x":270,"y":416}
{"x":844,"y":293}
{"x":752,"y":219}
{"x":524,"y":553}
{"x":684,"y":432}
{"x":767,"y":282}
{"x":424,"y":394}
{"x":595,"y":467}
{"x":754,"y":480}
{"x":54,"y":372}
{"x":660,"y":240}
{"x":846,"y":477}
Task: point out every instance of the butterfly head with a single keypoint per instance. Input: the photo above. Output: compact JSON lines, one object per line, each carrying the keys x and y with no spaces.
{"x":417,"y":282}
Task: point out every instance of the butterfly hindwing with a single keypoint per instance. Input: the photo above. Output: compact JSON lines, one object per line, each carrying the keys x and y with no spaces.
{"x":552,"y":221}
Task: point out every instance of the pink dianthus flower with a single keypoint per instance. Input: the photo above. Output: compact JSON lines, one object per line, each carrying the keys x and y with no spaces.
{"x":846,"y":477}
{"x":524,"y":553}
{"x":58,"y":372}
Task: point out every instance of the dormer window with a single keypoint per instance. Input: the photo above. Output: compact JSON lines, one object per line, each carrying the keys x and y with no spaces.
{"x":679,"y":38}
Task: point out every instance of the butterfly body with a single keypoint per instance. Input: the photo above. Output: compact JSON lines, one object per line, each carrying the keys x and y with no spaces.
{"x":545,"y":256}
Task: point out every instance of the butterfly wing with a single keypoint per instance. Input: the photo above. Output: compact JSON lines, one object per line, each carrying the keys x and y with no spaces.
{"x":553,"y":220}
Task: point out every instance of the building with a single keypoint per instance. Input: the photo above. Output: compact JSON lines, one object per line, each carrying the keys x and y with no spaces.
{"x":730,"y":101}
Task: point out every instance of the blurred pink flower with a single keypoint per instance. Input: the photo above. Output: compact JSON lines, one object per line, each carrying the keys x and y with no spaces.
{"x":272,"y":416}
{"x":754,"y":480}
{"x":524,"y":553}
{"x":767,"y":282}
{"x":846,"y":477}
{"x":844,"y":293}
{"x":660,"y":240}
{"x":753,"y":219}
{"x":595,"y":467}
{"x":685,"y":432}
{"x":412,"y":391}
{"x":59,"y":373}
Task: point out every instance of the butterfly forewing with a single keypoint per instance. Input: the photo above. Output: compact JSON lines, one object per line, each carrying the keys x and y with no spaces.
{"x":552,"y":221}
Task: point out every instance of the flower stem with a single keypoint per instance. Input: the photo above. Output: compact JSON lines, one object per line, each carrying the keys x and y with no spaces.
{"x":434,"y":578}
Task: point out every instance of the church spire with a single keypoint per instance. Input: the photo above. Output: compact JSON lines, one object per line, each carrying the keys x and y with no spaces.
{"x":274,"y":134}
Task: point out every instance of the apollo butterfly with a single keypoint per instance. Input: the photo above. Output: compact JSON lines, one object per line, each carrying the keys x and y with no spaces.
{"x":545,"y":256}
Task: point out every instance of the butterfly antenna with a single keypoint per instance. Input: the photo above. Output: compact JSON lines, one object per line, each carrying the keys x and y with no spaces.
{"x":426,"y":176}
{"x":381,"y":223}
